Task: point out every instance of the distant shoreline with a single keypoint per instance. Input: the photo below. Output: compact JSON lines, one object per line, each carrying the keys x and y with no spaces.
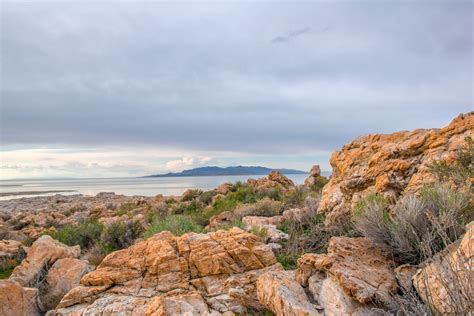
{"x":2,"y":194}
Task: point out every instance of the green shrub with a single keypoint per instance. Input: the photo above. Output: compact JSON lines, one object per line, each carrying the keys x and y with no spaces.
{"x":176,"y":224}
{"x":120,"y":235}
{"x":84,"y":234}
{"x":125,"y":208}
{"x":417,"y":227}
{"x":287,"y":260}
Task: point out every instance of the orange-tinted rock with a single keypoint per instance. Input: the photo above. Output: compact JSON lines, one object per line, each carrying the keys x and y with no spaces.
{"x":446,"y":281}
{"x":16,"y":300}
{"x":129,"y":280}
{"x":42,"y":254}
{"x":362,"y":269}
{"x":64,"y":275}
{"x":389,"y":164}
{"x":280,"y":293}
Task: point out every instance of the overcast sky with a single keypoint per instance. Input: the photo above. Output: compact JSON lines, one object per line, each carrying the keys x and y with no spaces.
{"x":92,"y":89}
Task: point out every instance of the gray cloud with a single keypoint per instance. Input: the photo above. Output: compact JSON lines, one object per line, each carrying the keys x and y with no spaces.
{"x":291,"y":35}
{"x":206,"y":77}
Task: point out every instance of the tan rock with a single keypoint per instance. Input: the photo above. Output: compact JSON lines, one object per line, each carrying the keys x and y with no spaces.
{"x":280,"y":178}
{"x":64,"y":275}
{"x":188,"y":303}
{"x":280,"y":293}
{"x":222,"y":265}
{"x":404,"y":275}
{"x":17,"y":300}
{"x":264,"y":225}
{"x":42,"y":254}
{"x":224,"y":188}
{"x":389,"y":164}
{"x":446,"y":281}
{"x":335,"y":301}
{"x":362,"y":269}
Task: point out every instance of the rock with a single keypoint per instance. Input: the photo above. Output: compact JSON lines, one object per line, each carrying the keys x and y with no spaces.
{"x":224,"y":188}
{"x":222,"y":266}
{"x":17,"y":300}
{"x":404,"y":275}
{"x":64,"y":275}
{"x":361,"y":268}
{"x":268,"y":231}
{"x":42,"y":254}
{"x":280,"y":293}
{"x":335,"y":301}
{"x":12,"y":253}
{"x":278,"y":177}
{"x":298,"y":214}
{"x":188,"y":303}
{"x":446,"y":281}
{"x":315,"y":171}
{"x":389,"y":164}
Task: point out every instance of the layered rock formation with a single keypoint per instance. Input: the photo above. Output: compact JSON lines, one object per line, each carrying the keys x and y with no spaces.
{"x":48,"y":272}
{"x":446,"y":282}
{"x":389,"y":164}
{"x":168,"y":275}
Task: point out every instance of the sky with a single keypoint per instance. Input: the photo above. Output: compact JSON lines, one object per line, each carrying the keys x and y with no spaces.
{"x":130,"y":88}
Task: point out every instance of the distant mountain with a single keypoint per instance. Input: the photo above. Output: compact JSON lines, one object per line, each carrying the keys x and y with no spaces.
{"x":228,"y":171}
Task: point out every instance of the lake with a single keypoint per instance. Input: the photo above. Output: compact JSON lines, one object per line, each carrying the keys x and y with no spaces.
{"x":10,"y":189}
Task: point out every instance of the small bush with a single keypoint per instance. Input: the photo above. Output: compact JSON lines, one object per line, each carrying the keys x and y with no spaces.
{"x":287,"y":260}
{"x":120,"y":235}
{"x":84,"y":234}
{"x":264,"y":207}
{"x":176,"y":224}
{"x":416,"y":228}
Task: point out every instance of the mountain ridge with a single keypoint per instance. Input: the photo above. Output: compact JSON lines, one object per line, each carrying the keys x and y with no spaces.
{"x":225,"y":171}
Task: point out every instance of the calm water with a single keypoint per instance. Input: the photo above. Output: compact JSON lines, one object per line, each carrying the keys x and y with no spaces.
{"x":126,"y":186}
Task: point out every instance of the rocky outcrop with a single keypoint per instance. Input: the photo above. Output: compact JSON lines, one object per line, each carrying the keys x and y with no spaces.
{"x":446,"y":282}
{"x":64,"y":275}
{"x":363,"y":270}
{"x":267,"y":227}
{"x":280,"y":293}
{"x":389,"y":164}
{"x":156,"y":274}
{"x":17,"y":300}
{"x":43,"y":254}
{"x":43,"y":277}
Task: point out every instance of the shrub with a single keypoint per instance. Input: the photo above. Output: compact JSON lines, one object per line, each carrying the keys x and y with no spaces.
{"x":84,"y":234}
{"x":418,"y":227}
{"x":263,"y":207}
{"x":176,"y":224}
{"x":287,"y":260}
{"x":120,"y":235}
{"x":461,"y":170}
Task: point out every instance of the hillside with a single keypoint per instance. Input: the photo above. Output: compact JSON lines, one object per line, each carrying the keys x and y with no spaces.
{"x":227,"y":171}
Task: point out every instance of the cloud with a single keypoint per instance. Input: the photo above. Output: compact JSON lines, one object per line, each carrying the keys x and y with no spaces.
{"x":291,"y":35}
{"x":203,"y":80}
{"x":187,"y":162}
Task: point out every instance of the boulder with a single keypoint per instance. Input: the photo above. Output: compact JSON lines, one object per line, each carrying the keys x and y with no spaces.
{"x":280,"y":293}
{"x":278,"y":177}
{"x":335,"y":301}
{"x":44,"y":252}
{"x":64,"y":275}
{"x":187,"y":303}
{"x":389,"y":164}
{"x":446,"y":281}
{"x":17,"y":300}
{"x":221,"y":266}
{"x":362,"y":269}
